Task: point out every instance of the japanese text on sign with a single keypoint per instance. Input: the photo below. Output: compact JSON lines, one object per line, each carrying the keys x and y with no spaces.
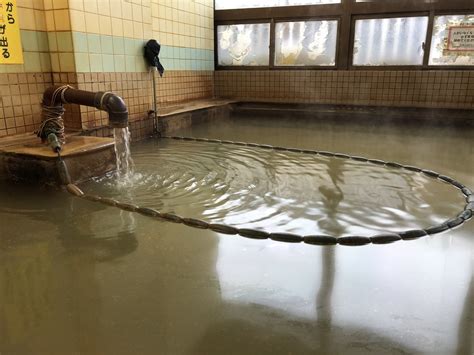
{"x":461,"y":38}
{"x":10,"y":42}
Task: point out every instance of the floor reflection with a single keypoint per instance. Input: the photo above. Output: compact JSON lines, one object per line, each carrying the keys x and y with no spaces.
{"x":353,"y":298}
{"x":49,"y":250}
{"x":466,"y":327}
{"x":332,"y":197}
{"x":25,"y":299}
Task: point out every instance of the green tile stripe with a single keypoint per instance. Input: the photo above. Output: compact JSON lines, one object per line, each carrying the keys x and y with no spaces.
{"x":82,"y":52}
{"x":101,"y":53}
{"x":35,"y":54}
{"x":34,"y":41}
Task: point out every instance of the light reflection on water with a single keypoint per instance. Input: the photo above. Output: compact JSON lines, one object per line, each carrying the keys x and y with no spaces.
{"x":280,"y":191}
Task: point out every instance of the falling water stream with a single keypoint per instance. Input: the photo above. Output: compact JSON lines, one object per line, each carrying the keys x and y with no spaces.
{"x":125,"y":165}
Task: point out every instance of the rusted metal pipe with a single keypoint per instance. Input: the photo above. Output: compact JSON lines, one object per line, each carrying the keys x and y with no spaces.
{"x":105,"y":101}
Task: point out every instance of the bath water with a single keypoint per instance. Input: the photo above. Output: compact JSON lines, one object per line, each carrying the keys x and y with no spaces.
{"x":81,"y":277}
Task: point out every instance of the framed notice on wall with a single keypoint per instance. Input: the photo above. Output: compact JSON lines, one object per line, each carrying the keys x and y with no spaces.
{"x":460,"y":39}
{"x":10,"y":41}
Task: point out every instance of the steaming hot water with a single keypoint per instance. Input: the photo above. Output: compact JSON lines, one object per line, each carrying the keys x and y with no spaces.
{"x":84,"y":277}
{"x":276,"y":191}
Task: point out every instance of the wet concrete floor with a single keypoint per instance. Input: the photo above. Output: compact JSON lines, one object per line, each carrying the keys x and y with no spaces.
{"x":81,"y":278}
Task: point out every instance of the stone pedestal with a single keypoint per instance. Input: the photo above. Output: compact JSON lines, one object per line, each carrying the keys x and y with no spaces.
{"x":33,"y":162}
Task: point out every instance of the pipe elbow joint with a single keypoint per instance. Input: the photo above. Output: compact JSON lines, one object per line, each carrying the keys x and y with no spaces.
{"x":106,"y":101}
{"x":115,"y":107}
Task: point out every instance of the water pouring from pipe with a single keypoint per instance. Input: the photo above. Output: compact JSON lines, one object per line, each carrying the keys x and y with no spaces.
{"x":123,"y":155}
{"x":52,"y":127}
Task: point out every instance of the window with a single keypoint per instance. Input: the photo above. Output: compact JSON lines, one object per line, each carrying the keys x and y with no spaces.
{"x":344,"y":34}
{"x":310,"y":43}
{"x":391,"y":1}
{"x":390,"y":41}
{"x":243,"y":4}
{"x":243,"y":44}
{"x":452,"y":42}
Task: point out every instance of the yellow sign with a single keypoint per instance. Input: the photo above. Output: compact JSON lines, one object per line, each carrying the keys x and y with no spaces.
{"x":11,"y":51}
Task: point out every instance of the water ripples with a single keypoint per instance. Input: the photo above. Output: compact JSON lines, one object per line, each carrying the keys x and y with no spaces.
{"x":279,"y":191}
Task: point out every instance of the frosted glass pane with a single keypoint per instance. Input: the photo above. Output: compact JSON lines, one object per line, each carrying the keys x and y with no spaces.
{"x":453,"y":40}
{"x":391,"y":1}
{"x":243,"y":44}
{"x":390,"y":41}
{"x":305,"y":43}
{"x":244,"y":4}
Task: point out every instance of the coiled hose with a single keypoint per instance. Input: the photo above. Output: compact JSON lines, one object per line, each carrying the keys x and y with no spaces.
{"x":52,"y":118}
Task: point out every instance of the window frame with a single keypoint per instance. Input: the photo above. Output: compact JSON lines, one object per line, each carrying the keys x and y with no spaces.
{"x":275,"y":7}
{"x":242,"y":67}
{"x":305,"y":67}
{"x":387,"y":67}
{"x":446,"y":67}
{"x":345,"y":13}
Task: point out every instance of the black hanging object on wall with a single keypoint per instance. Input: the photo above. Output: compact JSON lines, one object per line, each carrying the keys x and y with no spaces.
{"x":152,"y":51}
